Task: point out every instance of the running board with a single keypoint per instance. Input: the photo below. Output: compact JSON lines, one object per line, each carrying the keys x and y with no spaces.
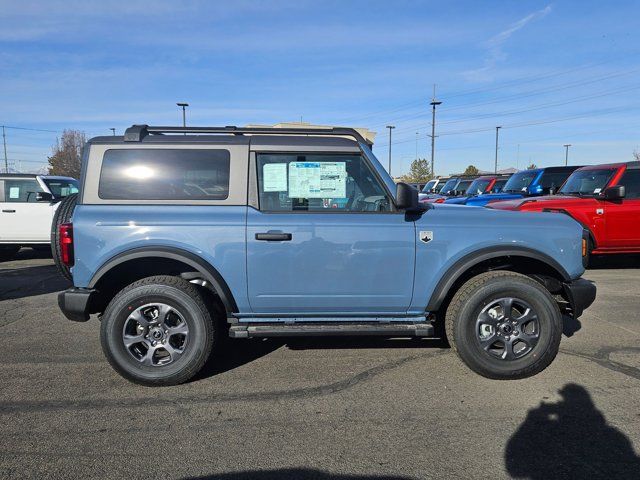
{"x":334,"y":329}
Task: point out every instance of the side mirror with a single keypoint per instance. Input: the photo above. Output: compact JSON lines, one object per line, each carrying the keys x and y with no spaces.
{"x":44,"y":197}
{"x":406,"y":197}
{"x":616,"y":192}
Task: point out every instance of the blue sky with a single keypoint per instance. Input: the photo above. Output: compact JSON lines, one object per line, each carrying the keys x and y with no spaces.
{"x":549,"y":73}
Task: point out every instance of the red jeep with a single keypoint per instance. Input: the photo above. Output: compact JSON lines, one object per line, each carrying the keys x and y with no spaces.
{"x":604,"y":198}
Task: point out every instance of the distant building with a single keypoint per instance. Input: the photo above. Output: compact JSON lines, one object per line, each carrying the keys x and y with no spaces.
{"x":367,"y":134}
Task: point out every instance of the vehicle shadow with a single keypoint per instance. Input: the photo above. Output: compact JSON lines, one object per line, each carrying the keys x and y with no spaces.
{"x":622,"y":261}
{"x":570,"y":325}
{"x":293,"y":473}
{"x":30,"y":281}
{"x":570,"y":439}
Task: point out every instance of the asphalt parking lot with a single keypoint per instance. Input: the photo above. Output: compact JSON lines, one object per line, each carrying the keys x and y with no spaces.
{"x":316,"y":408}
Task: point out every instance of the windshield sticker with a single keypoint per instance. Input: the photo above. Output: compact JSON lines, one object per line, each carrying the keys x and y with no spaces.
{"x":317,"y":180}
{"x":275,"y":177}
{"x":597,"y":190}
{"x":14,"y":192}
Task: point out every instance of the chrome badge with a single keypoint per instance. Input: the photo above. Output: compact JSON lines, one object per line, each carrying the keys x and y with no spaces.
{"x":426,"y":236}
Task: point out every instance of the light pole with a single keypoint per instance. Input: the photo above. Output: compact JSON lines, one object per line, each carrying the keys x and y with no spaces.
{"x":496,"y":164}
{"x":4,"y":142}
{"x":113,"y":131}
{"x":417,"y":135}
{"x":390,"y":127}
{"x":433,"y":104}
{"x":184,"y":114}
{"x":566,"y":154}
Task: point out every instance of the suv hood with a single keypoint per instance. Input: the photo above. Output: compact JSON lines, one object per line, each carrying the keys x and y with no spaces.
{"x":538,"y":203}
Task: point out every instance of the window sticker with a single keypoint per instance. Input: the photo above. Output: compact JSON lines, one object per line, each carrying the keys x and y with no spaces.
{"x":597,"y":190}
{"x":275,"y":177}
{"x":317,"y":180}
{"x":14,"y":192}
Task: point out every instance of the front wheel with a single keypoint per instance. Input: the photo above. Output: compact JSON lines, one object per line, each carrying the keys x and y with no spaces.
{"x":504,"y":325}
{"x":157,"y":331}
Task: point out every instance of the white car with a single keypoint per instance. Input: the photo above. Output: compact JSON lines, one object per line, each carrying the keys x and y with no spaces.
{"x":27,"y":205}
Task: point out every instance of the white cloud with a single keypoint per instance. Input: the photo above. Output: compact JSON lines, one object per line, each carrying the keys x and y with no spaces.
{"x":495,"y":43}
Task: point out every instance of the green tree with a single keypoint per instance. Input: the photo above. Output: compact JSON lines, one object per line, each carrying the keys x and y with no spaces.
{"x":533,"y":166}
{"x":471,"y":170}
{"x":419,"y":172}
{"x":66,"y":154}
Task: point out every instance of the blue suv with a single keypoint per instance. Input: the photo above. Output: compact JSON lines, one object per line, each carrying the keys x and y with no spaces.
{"x":182,"y":236}
{"x":526,"y":183}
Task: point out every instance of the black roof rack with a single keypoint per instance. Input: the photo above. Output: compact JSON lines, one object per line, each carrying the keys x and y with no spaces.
{"x":136,"y":133}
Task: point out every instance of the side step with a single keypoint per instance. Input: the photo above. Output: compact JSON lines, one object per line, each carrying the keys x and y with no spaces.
{"x":424,"y":329}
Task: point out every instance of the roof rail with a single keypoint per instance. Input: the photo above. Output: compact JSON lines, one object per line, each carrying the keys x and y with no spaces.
{"x":136,"y":133}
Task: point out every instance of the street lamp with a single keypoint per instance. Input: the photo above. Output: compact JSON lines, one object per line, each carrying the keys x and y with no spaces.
{"x":496,"y":164}
{"x":390,"y":127}
{"x":433,"y":104}
{"x":113,"y":131}
{"x":184,"y":114}
{"x":566,"y":154}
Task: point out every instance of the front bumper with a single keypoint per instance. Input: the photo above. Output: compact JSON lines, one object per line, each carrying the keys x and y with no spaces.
{"x":581,"y":294}
{"x":75,"y":303}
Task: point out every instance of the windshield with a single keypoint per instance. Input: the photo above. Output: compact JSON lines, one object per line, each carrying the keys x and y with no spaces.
{"x":427,"y":188}
{"x":450,"y":185}
{"x":587,"y":182}
{"x":497,"y":187}
{"x":478,"y":186}
{"x":519,"y":182}
{"x":463,"y":186}
{"x":438,"y":187}
{"x":61,"y":188}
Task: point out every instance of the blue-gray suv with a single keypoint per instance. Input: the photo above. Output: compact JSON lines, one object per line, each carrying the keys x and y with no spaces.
{"x":182,"y":236}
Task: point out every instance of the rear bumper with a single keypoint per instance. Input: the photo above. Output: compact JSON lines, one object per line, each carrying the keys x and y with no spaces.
{"x":581,"y":294}
{"x":75,"y":302}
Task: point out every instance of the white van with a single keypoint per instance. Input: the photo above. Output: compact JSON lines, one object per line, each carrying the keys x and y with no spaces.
{"x":27,"y":205}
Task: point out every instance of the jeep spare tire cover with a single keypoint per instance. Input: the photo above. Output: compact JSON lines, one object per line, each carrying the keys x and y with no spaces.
{"x":63,"y":215}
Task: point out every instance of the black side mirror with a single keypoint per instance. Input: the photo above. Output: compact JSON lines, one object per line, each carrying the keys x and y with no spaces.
{"x":44,"y":197}
{"x":406,"y":197}
{"x":616,"y":192}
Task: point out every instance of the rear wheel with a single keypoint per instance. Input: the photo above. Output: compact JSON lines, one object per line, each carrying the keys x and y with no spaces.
{"x":158,"y":331}
{"x":504,"y":325}
{"x":7,"y":252}
{"x":63,"y":215}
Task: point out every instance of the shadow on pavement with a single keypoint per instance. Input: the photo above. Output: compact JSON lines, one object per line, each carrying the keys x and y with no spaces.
{"x":293,"y":473}
{"x":29,"y":281}
{"x":570,"y":439}
{"x":603,"y":262}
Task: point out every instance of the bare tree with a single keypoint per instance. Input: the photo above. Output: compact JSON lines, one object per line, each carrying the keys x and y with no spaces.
{"x":66,"y":154}
{"x":636,"y":155}
{"x":533,"y":166}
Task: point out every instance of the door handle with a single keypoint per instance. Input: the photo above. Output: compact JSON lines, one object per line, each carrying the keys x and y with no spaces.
{"x":274,"y":236}
{"x":8,"y":211}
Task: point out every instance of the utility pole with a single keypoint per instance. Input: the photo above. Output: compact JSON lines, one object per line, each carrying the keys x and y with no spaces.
{"x":4,"y":142}
{"x":184,"y":114}
{"x":496,"y":164}
{"x":518,"y":158}
{"x":390,"y":127}
{"x":113,"y":130}
{"x":566,"y":154}
{"x":417,"y":135}
{"x":433,"y":104}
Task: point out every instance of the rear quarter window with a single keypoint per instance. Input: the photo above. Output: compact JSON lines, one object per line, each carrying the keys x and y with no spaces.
{"x":165,"y":174}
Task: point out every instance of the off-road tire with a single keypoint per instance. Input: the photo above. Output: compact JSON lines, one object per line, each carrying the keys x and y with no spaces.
{"x":480,"y":291}
{"x":7,"y":252}
{"x":183,"y":297}
{"x":63,"y":215}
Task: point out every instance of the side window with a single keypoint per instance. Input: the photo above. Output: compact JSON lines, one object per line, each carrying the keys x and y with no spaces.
{"x":631,"y":182}
{"x":21,"y":190}
{"x":164,"y":174}
{"x":318,"y":183}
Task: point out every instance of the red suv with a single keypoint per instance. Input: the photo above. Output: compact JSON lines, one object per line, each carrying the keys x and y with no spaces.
{"x":604,"y":198}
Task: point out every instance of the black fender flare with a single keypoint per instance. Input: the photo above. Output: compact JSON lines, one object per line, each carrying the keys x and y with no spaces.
{"x":197,"y":263}
{"x":455,"y":271}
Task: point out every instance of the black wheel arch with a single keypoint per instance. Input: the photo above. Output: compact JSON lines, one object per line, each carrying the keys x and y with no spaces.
{"x":460,"y":270}
{"x":197,"y":263}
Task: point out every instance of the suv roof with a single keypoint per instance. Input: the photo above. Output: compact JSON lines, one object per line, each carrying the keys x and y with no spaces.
{"x":631,"y":165}
{"x":271,"y":136}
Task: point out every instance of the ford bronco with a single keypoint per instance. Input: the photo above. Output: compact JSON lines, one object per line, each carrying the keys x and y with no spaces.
{"x":605,"y":199}
{"x":183,"y":235}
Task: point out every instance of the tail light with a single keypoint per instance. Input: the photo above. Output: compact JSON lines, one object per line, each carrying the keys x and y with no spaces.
{"x":66,"y":243}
